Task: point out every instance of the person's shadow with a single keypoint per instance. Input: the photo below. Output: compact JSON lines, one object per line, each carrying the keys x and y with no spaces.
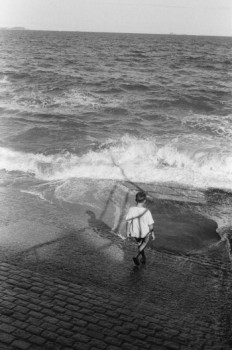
{"x":99,"y":226}
{"x":104,"y":231}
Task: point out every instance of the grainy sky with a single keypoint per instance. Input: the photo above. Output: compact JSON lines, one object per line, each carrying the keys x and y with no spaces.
{"x":197,"y":17}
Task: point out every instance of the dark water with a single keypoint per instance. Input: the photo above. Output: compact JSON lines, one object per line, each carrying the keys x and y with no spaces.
{"x":145,"y":109}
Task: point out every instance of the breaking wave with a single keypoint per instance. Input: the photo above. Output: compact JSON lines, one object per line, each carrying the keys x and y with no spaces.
{"x":130,"y":159}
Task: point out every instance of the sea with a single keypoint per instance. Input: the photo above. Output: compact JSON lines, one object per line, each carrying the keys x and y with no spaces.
{"x":88,"y":119}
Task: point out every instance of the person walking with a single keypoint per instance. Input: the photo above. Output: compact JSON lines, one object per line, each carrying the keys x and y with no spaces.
{"x":140,"y":225}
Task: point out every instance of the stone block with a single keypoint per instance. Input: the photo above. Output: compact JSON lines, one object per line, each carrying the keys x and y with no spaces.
{"x":93,"y":334}
{"x":113,"y":341}
{"x":21,"y":345}
{"x":52,"y":320}
{"x":6,"y":338}
{"x":37,"y":340}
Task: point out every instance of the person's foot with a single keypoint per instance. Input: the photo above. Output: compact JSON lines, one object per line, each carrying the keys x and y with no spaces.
{"x":143,"y":261}
{"x":136,"y":261}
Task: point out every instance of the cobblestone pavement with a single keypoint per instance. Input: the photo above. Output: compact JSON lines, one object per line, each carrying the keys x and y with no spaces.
{"x":38,"y":311}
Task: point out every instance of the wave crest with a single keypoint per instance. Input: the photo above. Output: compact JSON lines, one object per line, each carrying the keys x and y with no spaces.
{"x":129,"y":159}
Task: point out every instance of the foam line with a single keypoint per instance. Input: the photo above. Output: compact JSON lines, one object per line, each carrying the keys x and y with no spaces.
{"x":132,"y":159}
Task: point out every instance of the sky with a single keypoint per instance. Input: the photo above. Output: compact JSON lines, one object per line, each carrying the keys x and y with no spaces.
{"x":191,"y":17}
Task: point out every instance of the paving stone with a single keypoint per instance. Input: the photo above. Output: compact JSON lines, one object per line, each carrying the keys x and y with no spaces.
{"x":6,"y":328}
{"x":141,"y":344}
{"x":49,"y":327}
{"x":7,"y":347}
{"x":131,"y":326}
{"x":141,"y":323}
{"x":23,"y":303}
{"x":34,"y":307}
{"x":7,"y":304}
{"x":19,"y":316}
{"x":24,"y":285}
{"x":81,"y":323}
{"x":138,"y":335}
{"x":6,"y":338}
{"x":46,"y":304}
{"x":65,"y":325}
{"x":60,"y":315}
{"x":90,"y":318}
{"x":9,"y":298}
{"x":52,"y":346}
{"x":49,"y":312}
{"x":65,"y":333}
{"x":19,"y":324}
{"x":110,"y":332}
{"x":35,"y":314}
{"x":95,"y":327}
{"x":37,"y":290}
{"x":20,"y":333}
{"x":65,"y":341}
{"x":86,"y":312}
{"x":129,"y":346}
{"x":37,"y":340}
{"x":113,"y":347}
{"x":154,"y":340}
{"x":22,"y":296}
{"x":58,"y":309}
{"x":121,"y":329}
{"x":98,"y":344}
{"x":63,"y":317}
{"x":146,"y":331}
{"x":77,"y":329}
{"x":49,"y":335}
{"x":61,"y":303}
{"x":81,"y":337}
{"x":106,"y":324}
{"x":5,"y":319}
{"x":113,"y":314}
{"x":82,"y":346}
{"x":113,"y":341}
{"x":20,"y":344}
{"x":93,"y":334}
{"x":34,"y":321}
{"x":34,"y":330}
{"x":52,"y":320}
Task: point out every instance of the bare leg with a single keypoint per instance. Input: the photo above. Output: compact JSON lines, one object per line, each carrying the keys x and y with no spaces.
{"x":143,"y":246}
{"x":140,"y":252}
{"x":136,"y":260}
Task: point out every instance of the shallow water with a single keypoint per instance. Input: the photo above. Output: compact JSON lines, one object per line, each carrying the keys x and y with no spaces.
{"x":181,"y":226}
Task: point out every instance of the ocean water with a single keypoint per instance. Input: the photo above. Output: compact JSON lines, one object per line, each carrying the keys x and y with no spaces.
{"x":82,"y":115}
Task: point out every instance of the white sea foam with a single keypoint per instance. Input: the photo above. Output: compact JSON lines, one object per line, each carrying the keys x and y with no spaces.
{"x":66,"y":102}
{"x":36,"y":193}
{"x":78,"y":98}
{"x":131,"y":159}
{"x":211,"y":124}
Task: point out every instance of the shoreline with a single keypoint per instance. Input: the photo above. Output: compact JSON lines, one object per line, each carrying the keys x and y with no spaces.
{"x":183,"y":228}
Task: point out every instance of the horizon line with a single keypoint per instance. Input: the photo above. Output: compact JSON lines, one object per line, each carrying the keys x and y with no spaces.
{"x":19,"y":28}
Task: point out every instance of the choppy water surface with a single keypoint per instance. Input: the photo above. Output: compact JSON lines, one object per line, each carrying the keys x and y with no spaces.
{"x":117,"y":107}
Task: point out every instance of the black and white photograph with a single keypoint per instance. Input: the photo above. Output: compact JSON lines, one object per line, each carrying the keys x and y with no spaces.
{"x":115,"y":174}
